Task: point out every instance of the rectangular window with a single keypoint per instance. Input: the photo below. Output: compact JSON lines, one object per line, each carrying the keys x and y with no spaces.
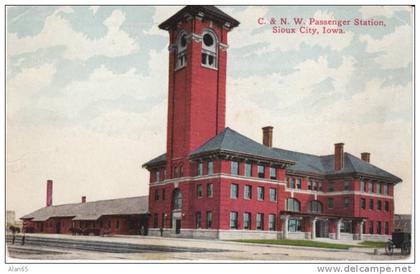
{"x":292,"y":183}
{"x":330,"y":203}
{"x":209,"y":190}
{"x":271,"y":222}
{"x":155,"y":221}
{"x":386,"y":206}
{"x":370,"y":187}
{"x":380,"y":187}
{"x":295,"y":225}
{"x":210,"y":168}
{"x":260,"y":195}
{"x":247,"y":220}
{"x":260,"y":171}
{"x":379,"y":205}
{"x":330,"y":187}
{"x":117,"y":224}
{"x":298,"y":183}
{"x":234,"y":191}
{"x":363,"y":203}
{"x":378,"y":227}
{"x":386,"y":189}
{"x":362,"y":186}
{"x":198,"y":220}
{"x":346,"y":185}
{"x":235,"y":168}
{"x":248,"y":192}
{"x":386,"y":227}
{"x":346,"y":202}
{"x":371,"y":204}
{"x":346,"y":227}
{"x":371,"y":227}
{"x":273,"y":194}
{"x":163,"y":194}
{"x":320,"y":186}
{"x":273,"y":175}
{"x":234,"y":220}
{"x":310,"y":187}
{"x":157,"y":195}
{"x":199,"y":191}
{"x":260,"y":221}
{"x":248,"y":169}
{"x":200,"y":169}
{"x":157,"y":176}
{"x":209,"y":219}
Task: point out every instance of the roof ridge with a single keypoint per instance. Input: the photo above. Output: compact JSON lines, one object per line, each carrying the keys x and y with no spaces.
{"x":309,"y":154}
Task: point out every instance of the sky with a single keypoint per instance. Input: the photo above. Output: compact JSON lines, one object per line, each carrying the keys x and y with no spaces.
{"x":87,"y":90}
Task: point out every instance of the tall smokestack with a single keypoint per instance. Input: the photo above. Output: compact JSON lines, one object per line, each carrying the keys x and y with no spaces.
{"x":339,"y":156}
{"x":268,"y":136}
{"x":49,"y":192}
{"x":365,"y":157}
{"x":83,"y":199}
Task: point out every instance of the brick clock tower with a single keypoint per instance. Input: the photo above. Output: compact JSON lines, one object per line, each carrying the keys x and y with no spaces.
{"x":197,"y":81}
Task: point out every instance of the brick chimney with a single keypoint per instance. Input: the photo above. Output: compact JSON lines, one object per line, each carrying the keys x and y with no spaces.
{"x":83,"y":199}
{"x":268,"y":136}
{"x":365,"y":156}
{"x":49,"y":192}
{"x":339,"y":156}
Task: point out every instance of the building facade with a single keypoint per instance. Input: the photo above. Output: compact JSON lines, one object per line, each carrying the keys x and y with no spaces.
{"x":214,"y":182}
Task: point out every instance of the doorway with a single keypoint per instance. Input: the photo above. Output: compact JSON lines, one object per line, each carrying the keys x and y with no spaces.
{"x":177,"y":226}
{"x":57,"y":227}
{"x":321,"y":229}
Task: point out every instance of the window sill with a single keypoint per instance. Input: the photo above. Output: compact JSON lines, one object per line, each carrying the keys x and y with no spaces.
{"x":180,"y":68}
{"x":209,"y":67}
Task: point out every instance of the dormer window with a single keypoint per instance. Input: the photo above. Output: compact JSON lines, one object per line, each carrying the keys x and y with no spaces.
{"x":181,"y":52}
{"x":209,"y":50}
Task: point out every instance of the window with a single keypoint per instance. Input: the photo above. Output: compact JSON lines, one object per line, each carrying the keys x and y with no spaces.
{"x":371,"y":204}
{"x":370,"y":187}
{"x":177,"y":199}
{"x":260,"y":221}
{"x":346,"y":185}
{"x":247,"y":220}
{"x":295,"y":225}
{"x":209,"y":190}
{"x":310,"y":187}
{"x":330,"y":203}
{"x":210,"y":168}
{"x":248,"y":169}
{"x":378,"y":227}
{"x":248,"y":192}
{"x":346,"y":202}
{"x":181,"y":170}
{"x":371,"y":227}
{"x":198,"y":220}
{"x":155,"y":221}
{"x":386,"y":227}
{"x":176,"y":171}
{"x":199,"y":191}
{"x":380,"y":188}
{"x":209,"y":219}
{"x":379,"y":205}
{"x":200,"y":169}
{"x":234,"y":220}
{"x":260,"y":194}
{"x":346,"y":227}
{"x":235,"y":168}
{"x":273,"y":194}
{"x":273,"y":175}
{"x":386,"y":189}
{"x":292,"y":183}
{"x":271,"y":222}
{"x":386,"y":206}
{"x":320,"y":186}
{"x":363,"y":203}
{"x":157,"y":176}
{"x":293,"y":205}
{"x":157,"y":195}
{"x":330,"y":187}
{"x":298,"y":183}
{"x":362,"y":186}
{"x":209,"y":50}
{"x":260,"y":171}
{"x":181,"y":53}
{"x":117,"y":225}
{"x":315,"y":207}
{"x":234,"y":191}
{"x":163,"y":194}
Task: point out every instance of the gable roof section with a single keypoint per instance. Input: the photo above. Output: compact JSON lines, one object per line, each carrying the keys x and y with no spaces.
{"x":230,"y":141}
{"x":92,"y":210}
{"x":161,"y":159}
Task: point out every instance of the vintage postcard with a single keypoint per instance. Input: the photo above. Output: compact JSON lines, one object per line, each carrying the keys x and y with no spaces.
{"x":205,"y":133}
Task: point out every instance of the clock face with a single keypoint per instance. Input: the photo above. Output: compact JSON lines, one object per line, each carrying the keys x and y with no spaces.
{"x":208,"y":40}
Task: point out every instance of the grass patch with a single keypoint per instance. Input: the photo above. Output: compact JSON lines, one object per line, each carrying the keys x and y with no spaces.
{"x":306,"y":243}
{"x":372,"y":244}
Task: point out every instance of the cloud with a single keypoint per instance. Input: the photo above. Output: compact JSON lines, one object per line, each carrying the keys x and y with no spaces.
{"x":94,"y":9}
{"x":394,"y":49}
{"x":161,"y":14}
{"x":382,"y":11}
{"x":58,"y":31}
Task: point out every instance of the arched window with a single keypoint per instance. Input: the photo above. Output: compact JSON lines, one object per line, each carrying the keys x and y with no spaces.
{"x":315,"y":207}
{"x":177,"y":199}
{"x":293,"y":205}
{"x":209,"y":49}
{"x":181,"y":50}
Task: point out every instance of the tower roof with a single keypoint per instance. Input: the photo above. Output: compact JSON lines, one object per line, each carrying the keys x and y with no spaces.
{"x":207,"y":12}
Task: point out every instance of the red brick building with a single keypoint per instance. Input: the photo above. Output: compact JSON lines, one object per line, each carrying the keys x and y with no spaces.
{"x":213,"y":182}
